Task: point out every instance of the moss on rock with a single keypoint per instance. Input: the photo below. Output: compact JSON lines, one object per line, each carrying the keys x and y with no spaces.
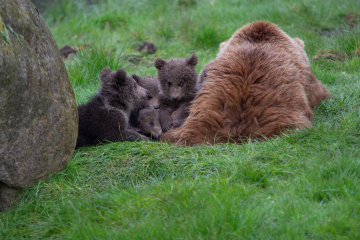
{"x":38,"y":112}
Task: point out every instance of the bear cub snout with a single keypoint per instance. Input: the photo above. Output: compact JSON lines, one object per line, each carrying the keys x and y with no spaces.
{"x":146,"y":121}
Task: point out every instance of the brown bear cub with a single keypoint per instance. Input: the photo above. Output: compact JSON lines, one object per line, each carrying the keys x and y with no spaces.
{"x":151,"y":84}
{"x":144,"y":118}
{"x":105,"y":117}
{"x":178,"y":80}
{"x":259,"y":85}
{"x":146,"y":121}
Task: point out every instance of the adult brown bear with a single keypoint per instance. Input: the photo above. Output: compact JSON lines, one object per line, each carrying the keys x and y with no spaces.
{"x":259,"y":85}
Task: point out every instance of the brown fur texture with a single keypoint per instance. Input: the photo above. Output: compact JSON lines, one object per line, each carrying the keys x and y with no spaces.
{"x":151,"y":84}
{"x":146,"y":121}
{"x":177,"y":78}
{"x":105,"y":117}
{"x":202,"y":76}
{"x":259,"y":85}
{"x":144,"y":118}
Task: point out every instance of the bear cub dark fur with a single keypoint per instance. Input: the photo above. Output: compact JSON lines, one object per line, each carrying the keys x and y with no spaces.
{"x":152,"y":85}
{"x":106,"y":116}
{"x":178,"y":81}
{"x":144,"y":117}
{"x":146,"y":121}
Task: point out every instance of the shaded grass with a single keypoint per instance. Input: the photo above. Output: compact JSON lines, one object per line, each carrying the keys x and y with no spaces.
{"x":85,"y":69}
{"x":299,"y":186}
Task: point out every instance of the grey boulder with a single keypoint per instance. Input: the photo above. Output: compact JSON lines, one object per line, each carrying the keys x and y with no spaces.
{"x":38,"y":112}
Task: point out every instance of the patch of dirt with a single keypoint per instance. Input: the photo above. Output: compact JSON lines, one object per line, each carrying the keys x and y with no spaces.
{"x":331,"y":32}
{"x":329,"y":54}
{"x":351,"y":19}
{"x":147,"y":48}
{"x":68,"y":51}
{"x":133,"y":59}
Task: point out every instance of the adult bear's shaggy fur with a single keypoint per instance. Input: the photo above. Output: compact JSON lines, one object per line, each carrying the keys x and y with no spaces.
{"x":259,"y":85}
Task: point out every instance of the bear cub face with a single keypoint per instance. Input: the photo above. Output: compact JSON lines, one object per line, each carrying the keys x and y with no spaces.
{"x":120,"y":90}
{"x":148,"y":122}
{"x":177,"y":77}
{"x":144,"y":117}
{"x":151,"y":84}
{"x":178,"y":87}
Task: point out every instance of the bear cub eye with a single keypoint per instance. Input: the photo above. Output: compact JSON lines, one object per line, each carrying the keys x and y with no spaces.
{"x":152,"y":124}
{"x":181,"y":84}
{"x":169,"y":83}
{"x":149,"y":97}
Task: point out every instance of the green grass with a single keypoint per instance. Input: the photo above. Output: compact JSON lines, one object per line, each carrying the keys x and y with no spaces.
{"x":299,"y":186}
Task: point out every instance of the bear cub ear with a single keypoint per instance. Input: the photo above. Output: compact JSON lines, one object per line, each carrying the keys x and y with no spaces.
{"x":160,"y":63}
{"x":104,"y":74}
{"x":107,"y":75}
{"x":136,"y":78}
{"x":120,"y":76}
{"x":193,"y":60}
{"x":300,"y":42}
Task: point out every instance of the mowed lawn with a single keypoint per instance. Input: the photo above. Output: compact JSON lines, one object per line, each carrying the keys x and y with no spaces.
{"x":299,"y":186}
